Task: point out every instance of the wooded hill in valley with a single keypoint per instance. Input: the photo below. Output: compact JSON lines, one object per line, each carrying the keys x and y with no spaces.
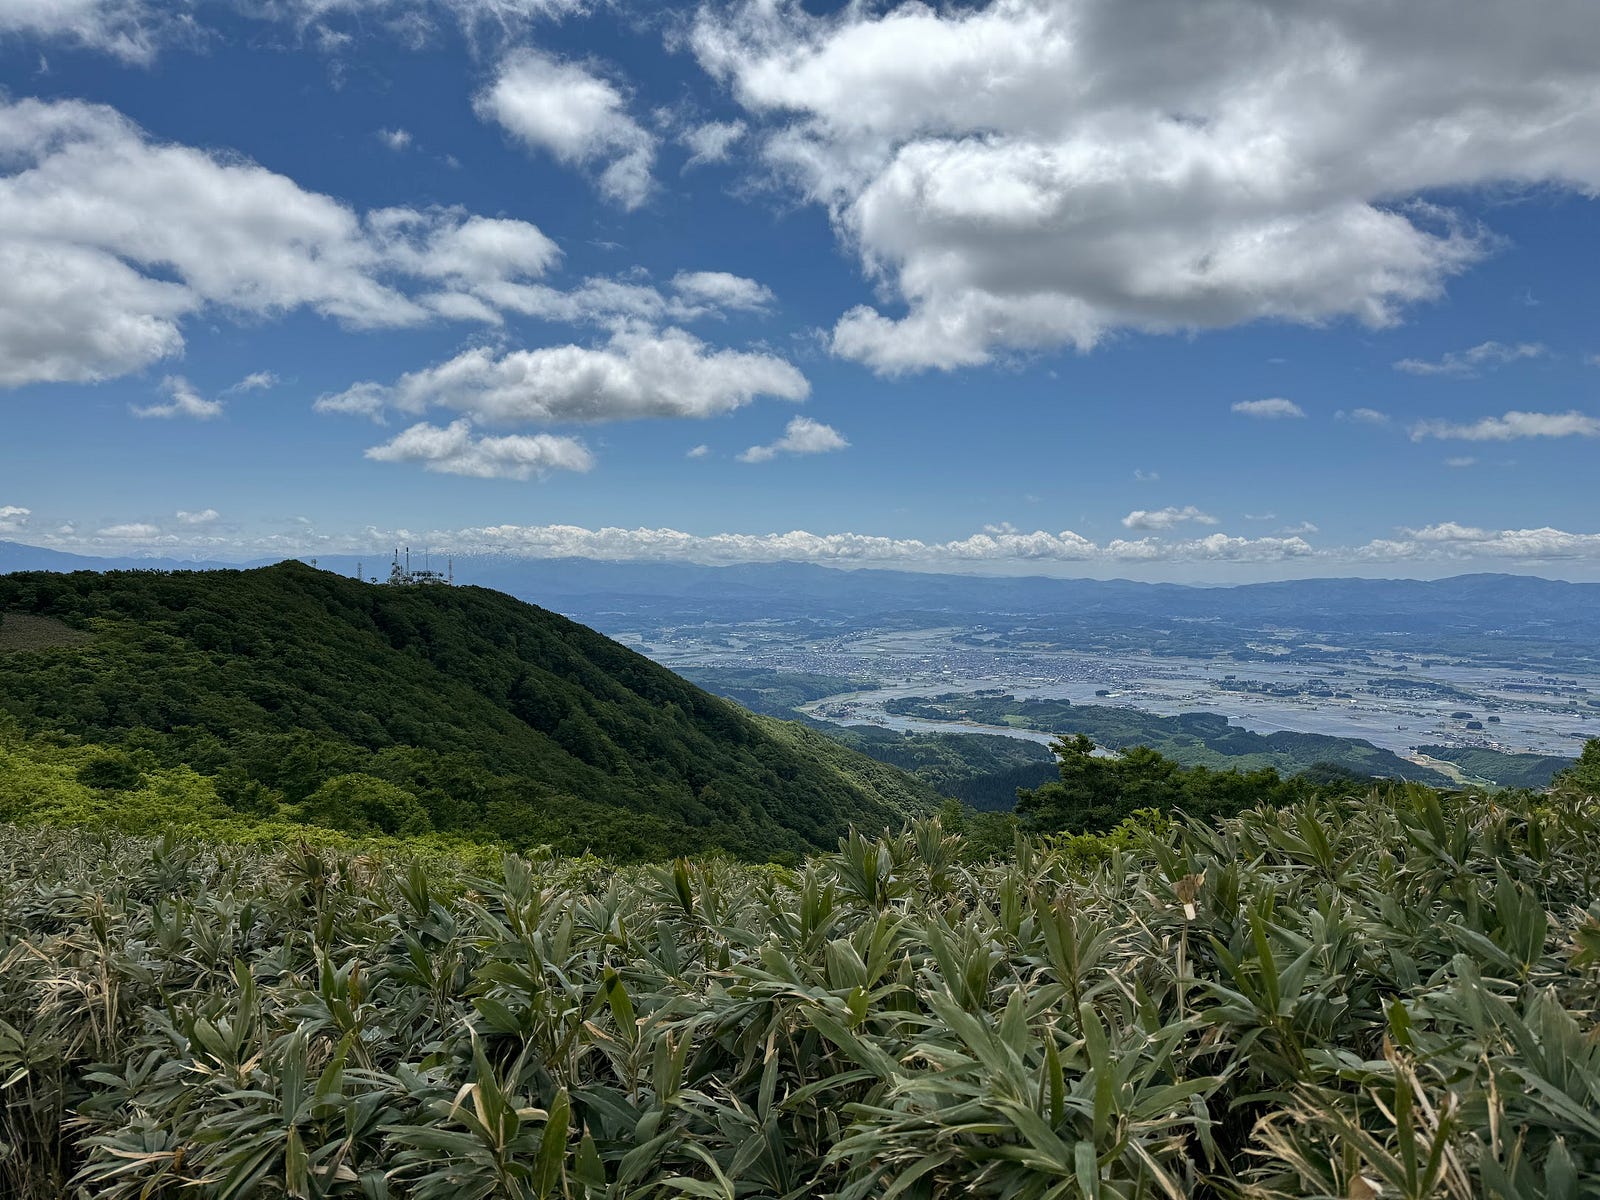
{"x":1199,"y":739}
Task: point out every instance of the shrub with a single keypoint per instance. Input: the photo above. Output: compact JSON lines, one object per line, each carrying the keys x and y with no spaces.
{"x":110,"y":773}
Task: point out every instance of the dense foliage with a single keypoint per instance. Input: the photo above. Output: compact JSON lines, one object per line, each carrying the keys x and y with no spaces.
{"x":1094,"y":791}
{"x":1584,"y":774}
{"x":1388,"y":996}
{"x":302,"y":695}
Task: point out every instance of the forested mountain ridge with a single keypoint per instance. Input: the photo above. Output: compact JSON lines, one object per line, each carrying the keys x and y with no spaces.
{"x":306,"y":694}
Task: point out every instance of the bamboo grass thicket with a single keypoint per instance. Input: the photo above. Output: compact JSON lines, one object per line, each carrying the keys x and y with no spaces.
{"x":1392,"y":995}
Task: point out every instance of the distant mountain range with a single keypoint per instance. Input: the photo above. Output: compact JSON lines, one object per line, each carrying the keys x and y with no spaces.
{"x":17,"y":556}
{"x":1514,"y":618}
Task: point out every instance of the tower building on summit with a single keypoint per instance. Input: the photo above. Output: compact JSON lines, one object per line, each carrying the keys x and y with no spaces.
{"x":402,"y":575}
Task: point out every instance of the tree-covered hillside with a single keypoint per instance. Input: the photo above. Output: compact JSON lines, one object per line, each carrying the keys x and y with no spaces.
{"x":305,"y":695}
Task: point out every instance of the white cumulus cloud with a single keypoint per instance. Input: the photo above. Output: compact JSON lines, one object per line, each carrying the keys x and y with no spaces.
{"x":720,"y":290}
{"x":801,"y":436}
{"x":13,"y":517}
{"x":578,"y":117}
{"x":204,"y":516}
{"x":637,"y":373}
{"x":453,"y":450}
{"x":1035,"y":173}
{"x":1166,"y":518}
{"x":79,"y":314}
{"x":109,"y":239}
{"x":1451,"y":540}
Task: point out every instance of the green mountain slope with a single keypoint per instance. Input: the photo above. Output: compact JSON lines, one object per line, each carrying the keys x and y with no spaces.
{"x":307,"y":695}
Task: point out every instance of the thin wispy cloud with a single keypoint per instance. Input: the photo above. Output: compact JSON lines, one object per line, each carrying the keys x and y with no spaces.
{"x":1274,"y":408}
{"x":712,"y":142}
{"x":182,"y":401}
{"x":256,"y":381}
{"x":1474,"y":361}
{"x":1166,"y":518}
{"x":1364,"y":416}
{"x":1511,"y":426}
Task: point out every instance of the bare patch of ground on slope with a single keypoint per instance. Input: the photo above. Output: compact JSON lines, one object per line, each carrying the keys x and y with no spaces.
{"x":25,"y":631}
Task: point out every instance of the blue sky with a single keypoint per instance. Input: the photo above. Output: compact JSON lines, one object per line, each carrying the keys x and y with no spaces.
{"x":1011,"y":287}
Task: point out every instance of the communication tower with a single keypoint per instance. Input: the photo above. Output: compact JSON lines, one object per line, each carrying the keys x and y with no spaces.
{"x":401,"y":575}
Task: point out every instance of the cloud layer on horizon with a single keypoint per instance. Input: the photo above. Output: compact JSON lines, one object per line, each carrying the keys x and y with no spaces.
{"x":997,"y":549}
